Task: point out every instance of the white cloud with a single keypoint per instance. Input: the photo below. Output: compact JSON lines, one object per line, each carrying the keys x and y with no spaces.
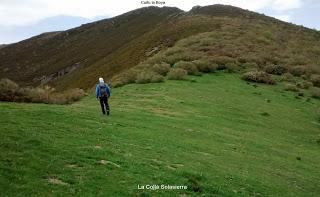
{"x":282,"y":5}
{"x":25,"y":12}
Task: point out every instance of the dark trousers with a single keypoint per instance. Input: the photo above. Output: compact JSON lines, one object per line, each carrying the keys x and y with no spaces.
{"x":104,"y":104}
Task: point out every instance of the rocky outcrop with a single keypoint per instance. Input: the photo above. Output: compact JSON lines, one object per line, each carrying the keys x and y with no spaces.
{"x":47,"y":78}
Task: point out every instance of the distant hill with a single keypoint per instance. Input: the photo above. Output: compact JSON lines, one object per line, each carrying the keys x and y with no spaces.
{"x":77,"y":57}
{"x":2,"y":45}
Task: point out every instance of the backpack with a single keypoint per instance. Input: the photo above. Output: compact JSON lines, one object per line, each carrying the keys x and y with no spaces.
{"x":103,"y":90}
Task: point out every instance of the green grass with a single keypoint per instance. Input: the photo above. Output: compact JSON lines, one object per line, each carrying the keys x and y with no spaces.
{"x":218,"y":135}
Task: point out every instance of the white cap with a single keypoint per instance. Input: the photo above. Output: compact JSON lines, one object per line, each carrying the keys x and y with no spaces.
{"x":101,"y":80}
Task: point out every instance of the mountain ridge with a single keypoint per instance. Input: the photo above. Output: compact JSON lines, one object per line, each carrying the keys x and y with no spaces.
{"x":111,"y":46}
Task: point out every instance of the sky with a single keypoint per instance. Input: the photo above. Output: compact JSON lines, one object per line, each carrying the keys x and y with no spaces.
{"x":21,"y":19}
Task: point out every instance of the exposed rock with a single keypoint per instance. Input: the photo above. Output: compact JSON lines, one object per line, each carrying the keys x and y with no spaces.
{"x":47,"y":78}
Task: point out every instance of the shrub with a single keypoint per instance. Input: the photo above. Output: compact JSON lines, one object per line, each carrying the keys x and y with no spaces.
{"x":275,"y":69}
{"x":188,"y":66}
{"x":222,"y":60}
{"x":315,"y":79}
{"x":291,"y":87}
{"x":184,"y":56}
{"x":174,"y":50}
{"x":258,"y":76}
{"x":141,"y":66}
{"x":162,"y":68}
{"x":231,"y":67}
{"x":221,"y":67}
{"x":157,"y":78}
{"x":249,"y":65}
{"x":287,"y":77}
{"x":10,"y":91}
{"x":148,"y":77}
{"x":205,"y":66}
{"x":59,"y":99}
{"x":158,"y":58}
{"x":67,"y":97}
{"x":315,"y":92}
{"x":39,"y":94}
{"x":8,"y":85}
{"x":177,"y":74}
{"x":73,"y":95}
{"x":117,"y":82}
{"x":124,"y":78}
{"x":298,"y":70}
{"x":242,"y":59}
{"x":143,"y":77}
{"x":313,"y":69}
{"x":304,"y":84}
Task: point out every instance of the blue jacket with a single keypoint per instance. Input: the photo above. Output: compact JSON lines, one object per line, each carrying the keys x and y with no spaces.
{"x":98,"y":94}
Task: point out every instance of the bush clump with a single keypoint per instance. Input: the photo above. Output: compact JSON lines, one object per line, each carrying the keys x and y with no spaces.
{"x":183,"y":56}
{"x":10,"y":91}
{"x":248,"y":64}
{"x":258,"y":76}
{"x":177,"y":74}
{"x":291,"y":87}
{"x":148,"y":77}
{"x":315,"y":92}
{"x":298,"y":70}
{"x":73,"y":95}
{"x":304,"y":84}
{"x":205,"y":66}
{"x":315,"y":79}
{"x":287,"y":77}
{"x":162,"y":68}
{"x":231,"y":67}
{"x":275,"y":69}
{"x":124,"y":78}
{"x":222,"y":60}
{"x":188,"y":66}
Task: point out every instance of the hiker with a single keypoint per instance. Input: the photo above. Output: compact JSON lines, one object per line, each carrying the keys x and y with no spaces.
{"x":103,"y":94}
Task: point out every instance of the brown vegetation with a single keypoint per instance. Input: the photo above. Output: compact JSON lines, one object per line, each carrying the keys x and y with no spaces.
{"x":315,"y":79}
{"x":258,"y":76}
{"x":148,"y":77}
{"x":10,"y":91}
{"x":205,"y":66}
{"x":291,"y":87}
{"x":190,"y":67}
{"x":177,"y":74}
{"x":243,"y":39}
{"x":275,"y":69}
{"x":315,"y":92}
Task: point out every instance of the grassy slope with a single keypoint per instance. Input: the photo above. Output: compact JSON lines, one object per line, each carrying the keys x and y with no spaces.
{"x":109,"y":47}
{"x":210,"y":133}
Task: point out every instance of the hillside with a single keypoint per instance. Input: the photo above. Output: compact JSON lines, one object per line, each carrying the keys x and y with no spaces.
{"x":52,"y":54}
{"x":75,"y":58}
{"x":215,"y":134}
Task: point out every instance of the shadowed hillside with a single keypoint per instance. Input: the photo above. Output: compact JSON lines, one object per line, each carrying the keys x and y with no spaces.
{"x":75,"y":58}
{"x":52,"y":54}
